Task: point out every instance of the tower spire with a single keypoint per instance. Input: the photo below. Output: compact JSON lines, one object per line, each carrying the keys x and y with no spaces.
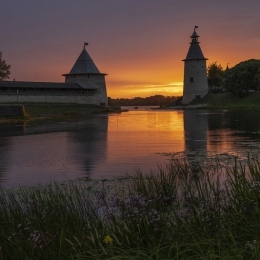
{"x":195,"y":73}
{"x":195,"y":52}
{"x":194,"y":36}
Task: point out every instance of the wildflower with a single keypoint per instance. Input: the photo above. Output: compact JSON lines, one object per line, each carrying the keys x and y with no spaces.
{"x":251,"y":245}
{"x":108,"y":240}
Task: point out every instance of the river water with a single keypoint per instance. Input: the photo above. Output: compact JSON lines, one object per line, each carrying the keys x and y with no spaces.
{"x":105,"y":146}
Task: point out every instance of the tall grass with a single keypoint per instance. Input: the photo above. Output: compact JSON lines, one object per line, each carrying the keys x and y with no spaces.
{"x":179,"y":211}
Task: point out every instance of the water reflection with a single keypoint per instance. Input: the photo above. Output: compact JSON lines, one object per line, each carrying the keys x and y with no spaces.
{"x":234,"y":132}
{"x":92,"y":140}
{"x":45,"y":150}
{"x":105,"y":146}
{"x":196,"y":129}
{"x":4,"y":151}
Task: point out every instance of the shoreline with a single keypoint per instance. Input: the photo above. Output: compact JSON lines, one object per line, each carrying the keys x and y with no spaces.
{"x":33,"y":111}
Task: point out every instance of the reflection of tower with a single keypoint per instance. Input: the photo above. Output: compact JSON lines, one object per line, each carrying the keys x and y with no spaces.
{"x":195,"y":128}
{"x":92,"y":139}
{"x":47,"y":150}
{"x":195,"y":84}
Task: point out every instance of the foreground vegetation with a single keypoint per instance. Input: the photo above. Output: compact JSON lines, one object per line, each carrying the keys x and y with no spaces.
{"x":180,"y":211}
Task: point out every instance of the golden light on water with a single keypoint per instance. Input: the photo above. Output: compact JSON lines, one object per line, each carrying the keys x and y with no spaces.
{"x":154,"y":129}
{"x":220,"y":145}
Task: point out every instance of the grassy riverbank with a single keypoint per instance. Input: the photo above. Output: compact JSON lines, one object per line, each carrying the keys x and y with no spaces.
{"x":178,"y":211}
{"x":227,"y":100}
{"x":50,"y":110}
{"x":58,"y":110}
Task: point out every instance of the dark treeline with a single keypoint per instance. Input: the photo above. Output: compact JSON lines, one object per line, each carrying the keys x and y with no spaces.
{"x":241,"y":79}
{"x":157,"y":100}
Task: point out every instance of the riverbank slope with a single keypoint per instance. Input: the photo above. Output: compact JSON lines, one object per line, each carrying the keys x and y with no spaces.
{"x":51,"y":110}
{"x":228,"y":101}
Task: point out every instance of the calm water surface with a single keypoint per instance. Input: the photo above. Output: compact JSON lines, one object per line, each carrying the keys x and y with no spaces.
{"x":105,"y":146}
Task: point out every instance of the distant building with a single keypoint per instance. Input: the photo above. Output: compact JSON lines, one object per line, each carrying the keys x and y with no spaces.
{"x":84,"y":84}
{"x":195,"y":85}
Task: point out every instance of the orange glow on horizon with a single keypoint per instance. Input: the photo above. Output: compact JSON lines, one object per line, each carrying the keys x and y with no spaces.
{"x":131,"y":76}
{"x":120,"y":90}
{"x":122,"y":83}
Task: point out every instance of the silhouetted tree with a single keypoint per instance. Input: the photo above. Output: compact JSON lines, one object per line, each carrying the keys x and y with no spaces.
{"x":4,"y":69}
{"x":257,"y":79}
{"x":243,"y":77}
{"x":215,"y":74}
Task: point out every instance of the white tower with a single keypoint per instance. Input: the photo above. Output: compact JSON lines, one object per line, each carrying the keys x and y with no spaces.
{"x":195,"y":85}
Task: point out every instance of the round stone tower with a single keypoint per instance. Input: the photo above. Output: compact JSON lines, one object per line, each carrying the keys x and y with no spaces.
{"x":195,"y":85}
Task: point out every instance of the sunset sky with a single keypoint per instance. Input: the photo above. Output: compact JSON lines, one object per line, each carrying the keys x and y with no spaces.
{"x":140,"y":44}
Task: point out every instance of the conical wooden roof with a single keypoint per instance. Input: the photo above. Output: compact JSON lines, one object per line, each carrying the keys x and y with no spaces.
{"x":84,"y":65}
{"x":195,"y":52}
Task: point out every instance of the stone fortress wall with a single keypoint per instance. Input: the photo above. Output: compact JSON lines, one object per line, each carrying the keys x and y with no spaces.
{"x":56,"y":98}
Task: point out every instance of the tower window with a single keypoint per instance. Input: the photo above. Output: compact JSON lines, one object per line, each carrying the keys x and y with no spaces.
{"x":191,"y":79}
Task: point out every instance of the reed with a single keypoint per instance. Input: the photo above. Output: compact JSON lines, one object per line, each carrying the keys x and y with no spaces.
{"x":180,"y":210}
